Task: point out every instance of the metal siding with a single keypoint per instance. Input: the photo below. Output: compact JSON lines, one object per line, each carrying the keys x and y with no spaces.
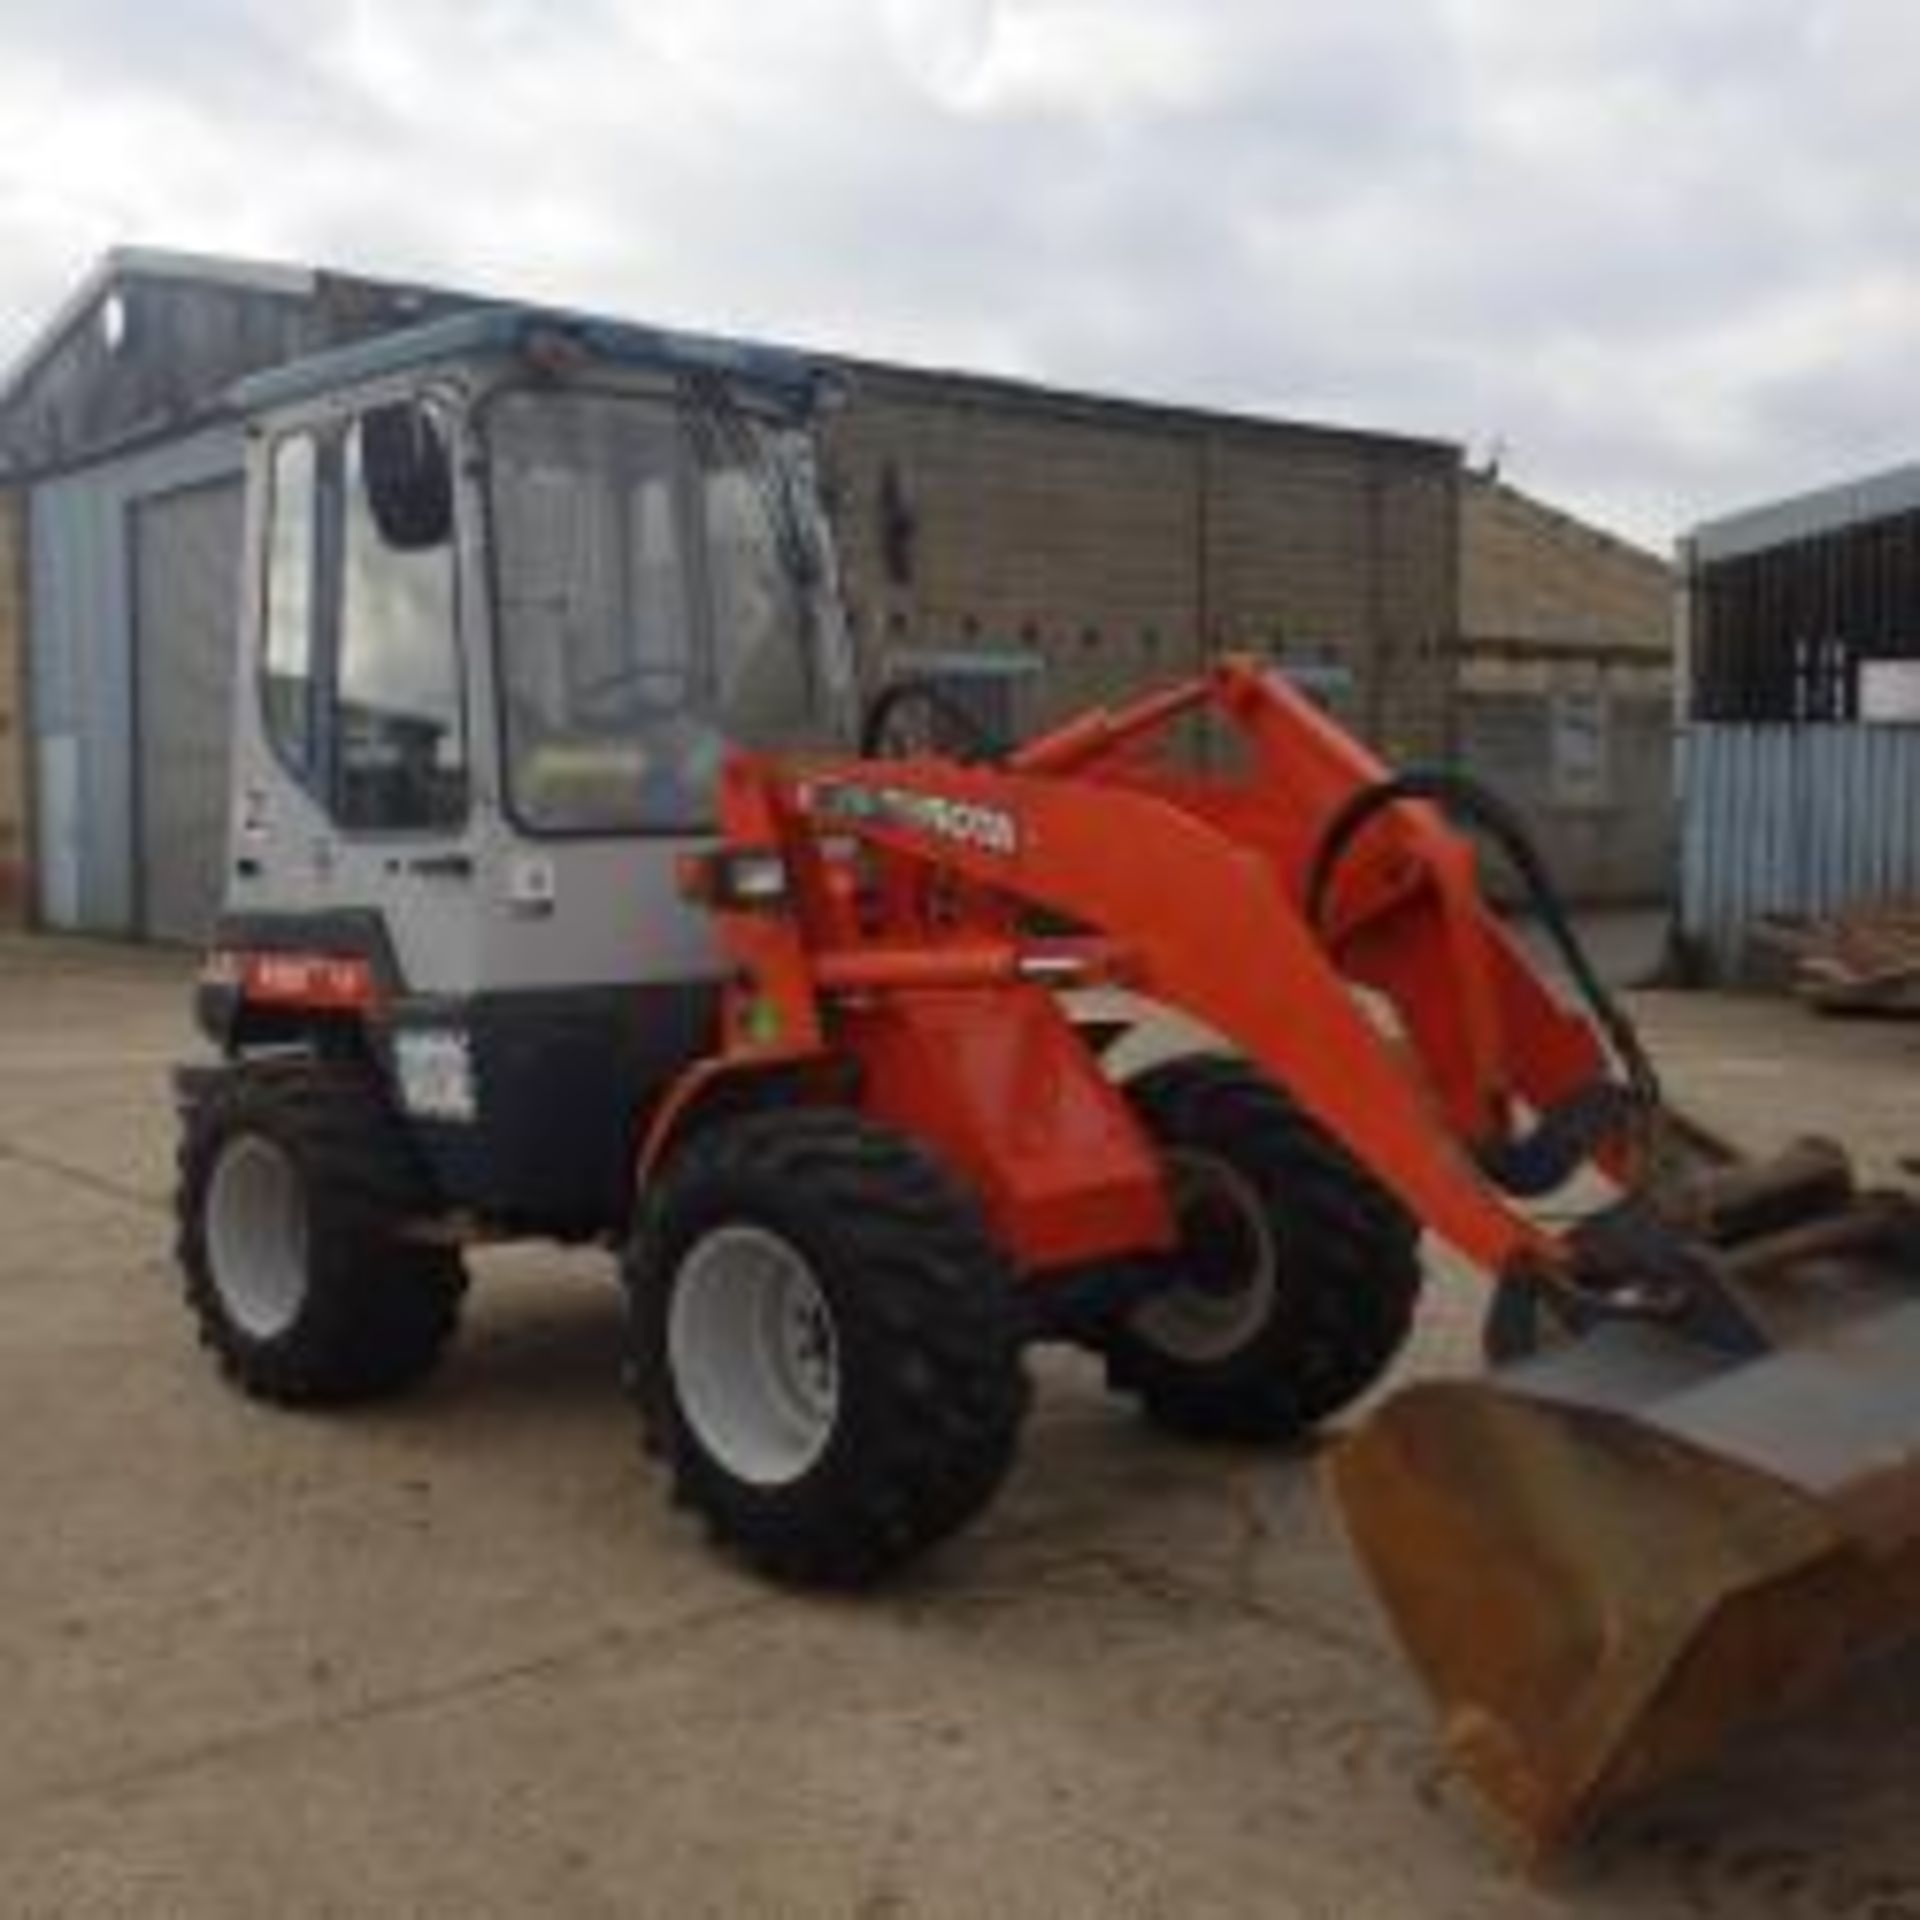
{"x":81,"y":647}
{"x":83,"y":722}
{"x":1792,"y":820}
{"x":191,"y":328}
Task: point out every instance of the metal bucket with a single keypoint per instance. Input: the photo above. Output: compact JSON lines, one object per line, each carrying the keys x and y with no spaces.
{"x":1605,"y":1560}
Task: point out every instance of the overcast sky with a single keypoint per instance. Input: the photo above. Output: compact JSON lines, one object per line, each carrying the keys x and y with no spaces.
{"x":1665,"y":254}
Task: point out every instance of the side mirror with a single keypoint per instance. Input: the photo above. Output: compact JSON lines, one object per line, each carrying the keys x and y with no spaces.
{"x":408,"y":476}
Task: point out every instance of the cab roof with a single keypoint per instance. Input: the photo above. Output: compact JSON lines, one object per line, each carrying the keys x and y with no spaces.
{"x":537,"y":335}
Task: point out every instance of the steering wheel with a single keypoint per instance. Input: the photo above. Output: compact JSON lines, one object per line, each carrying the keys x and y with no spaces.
{"x":978,"y":740}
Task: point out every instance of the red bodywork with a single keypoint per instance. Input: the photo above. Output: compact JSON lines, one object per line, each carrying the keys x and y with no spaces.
{"x":907,"y":954}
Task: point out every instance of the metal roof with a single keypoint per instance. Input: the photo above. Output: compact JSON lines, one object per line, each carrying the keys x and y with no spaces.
{"x":1124,"y":409}
{"x":499,"y":331}
{"x":1804,"y":516}
{"x":119,"y":264}
{"x":499,"y":326}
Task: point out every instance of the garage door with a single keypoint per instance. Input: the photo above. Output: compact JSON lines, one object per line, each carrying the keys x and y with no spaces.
{"x":186,"y":551}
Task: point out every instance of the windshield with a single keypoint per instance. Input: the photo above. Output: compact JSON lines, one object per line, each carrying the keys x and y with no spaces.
{"x":661,"y":590}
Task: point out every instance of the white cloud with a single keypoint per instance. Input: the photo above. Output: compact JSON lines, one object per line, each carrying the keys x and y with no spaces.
{"x":1658,"y":247}
{"x":943,"y":45}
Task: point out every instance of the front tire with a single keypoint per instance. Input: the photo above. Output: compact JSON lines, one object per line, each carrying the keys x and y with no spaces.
{"x":295,"y":1184}
{"x":1296,"y":1276}
{"x":824,"y":1344}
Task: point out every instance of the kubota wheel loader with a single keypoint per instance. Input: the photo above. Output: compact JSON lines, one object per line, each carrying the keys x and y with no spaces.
{"x":563,"y":903}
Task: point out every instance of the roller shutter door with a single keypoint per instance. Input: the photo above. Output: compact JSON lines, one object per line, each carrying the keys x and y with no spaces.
{"x":186,"y":555}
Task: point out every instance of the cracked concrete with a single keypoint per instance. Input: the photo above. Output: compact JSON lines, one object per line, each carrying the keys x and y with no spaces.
{"x":458,"y":1655}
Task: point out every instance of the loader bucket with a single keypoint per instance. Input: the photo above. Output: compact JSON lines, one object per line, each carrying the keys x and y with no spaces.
{"x":1606,"y":1560}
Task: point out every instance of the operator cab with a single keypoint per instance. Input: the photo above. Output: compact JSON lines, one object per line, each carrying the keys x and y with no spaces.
{"x":516,"y":580}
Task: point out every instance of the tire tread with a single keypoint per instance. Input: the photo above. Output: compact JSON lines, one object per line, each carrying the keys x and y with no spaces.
{"x":1348,"y":1249}
{"x":922,"y":1292}
{"x":382,"y":1309}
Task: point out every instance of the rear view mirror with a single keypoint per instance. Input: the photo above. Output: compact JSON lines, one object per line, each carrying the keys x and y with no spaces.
{"x":408,"y":475}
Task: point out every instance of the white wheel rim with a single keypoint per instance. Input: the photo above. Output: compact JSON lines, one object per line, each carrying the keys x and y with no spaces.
{"x":256,"y":1222}
{"x":753,"y":1354}
{"x":1211,"y":1320}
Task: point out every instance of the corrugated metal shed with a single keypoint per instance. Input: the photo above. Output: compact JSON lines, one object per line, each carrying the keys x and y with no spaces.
{"x":81,"y":672}
{"x":1800,"y":786}
{"x":1794,"y":819}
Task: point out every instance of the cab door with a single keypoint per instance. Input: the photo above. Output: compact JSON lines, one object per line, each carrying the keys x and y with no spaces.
{"x":402,"y":789}
{"x":356,"y":793}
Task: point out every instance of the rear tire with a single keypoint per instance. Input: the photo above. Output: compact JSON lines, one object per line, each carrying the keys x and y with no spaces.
{"x":824,"y":1344}
{"x":1299,"y":1272}
{"x":294,"y":1183}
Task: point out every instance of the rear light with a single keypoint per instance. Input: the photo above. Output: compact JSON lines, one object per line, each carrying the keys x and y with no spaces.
{"x":735,"y":879}
{"x":316,"y":982}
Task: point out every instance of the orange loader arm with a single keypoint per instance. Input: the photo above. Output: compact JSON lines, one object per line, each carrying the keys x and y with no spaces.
{"x":907,"y":920}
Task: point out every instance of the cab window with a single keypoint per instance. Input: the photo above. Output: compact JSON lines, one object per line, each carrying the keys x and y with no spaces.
{"x":361,"y":669}
{"x":287,"y":666}
{"x":400,"y":745}
{"x":654,"y":576}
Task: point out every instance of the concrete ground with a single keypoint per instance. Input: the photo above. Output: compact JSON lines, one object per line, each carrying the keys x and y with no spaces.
{"x":458,"y":1656}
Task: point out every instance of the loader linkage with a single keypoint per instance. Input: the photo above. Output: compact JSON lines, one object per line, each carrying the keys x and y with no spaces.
{"x":891,"y":884}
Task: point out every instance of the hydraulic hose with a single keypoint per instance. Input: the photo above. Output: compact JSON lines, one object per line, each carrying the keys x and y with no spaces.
{"x":1481,"y":807}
